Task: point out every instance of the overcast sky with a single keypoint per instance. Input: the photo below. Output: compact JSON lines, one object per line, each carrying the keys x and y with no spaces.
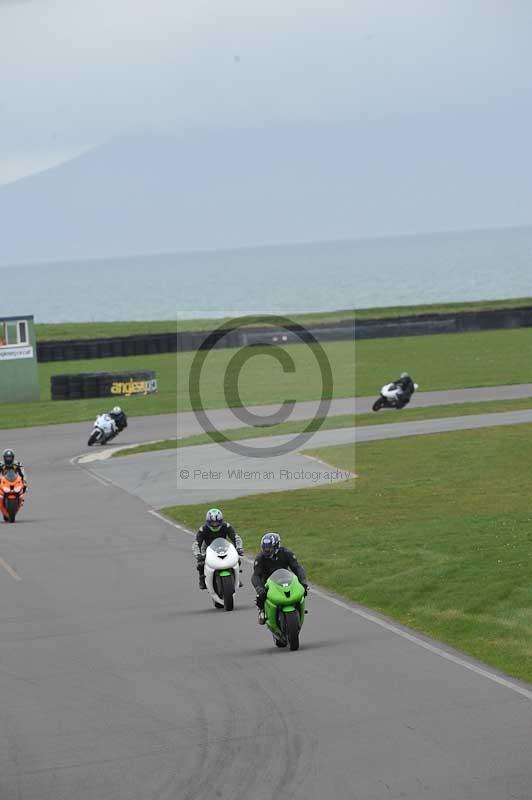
{"x":74,"y":73}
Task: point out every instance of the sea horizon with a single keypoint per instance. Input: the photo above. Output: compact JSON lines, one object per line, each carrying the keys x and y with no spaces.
{"x":300,"y":277}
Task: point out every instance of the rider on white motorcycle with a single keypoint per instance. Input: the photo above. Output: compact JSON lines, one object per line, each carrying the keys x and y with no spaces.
{"x":214,"y":528}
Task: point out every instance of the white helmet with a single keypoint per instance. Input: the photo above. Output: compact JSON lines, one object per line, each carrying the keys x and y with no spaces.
{"x":116,"y":410}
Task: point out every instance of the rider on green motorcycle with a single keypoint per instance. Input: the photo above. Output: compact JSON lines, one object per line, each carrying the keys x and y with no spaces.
{"x":273,"y":556}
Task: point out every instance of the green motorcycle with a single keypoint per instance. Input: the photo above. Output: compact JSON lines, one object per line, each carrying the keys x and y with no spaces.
{"x":284,"y":608}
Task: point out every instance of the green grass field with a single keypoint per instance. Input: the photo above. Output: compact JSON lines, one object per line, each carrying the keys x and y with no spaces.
{"x":435,"y":532}
{"x":447,"y":361}
{"x":341,"y":421}
{"x":437,"y":362}
{"x":92,"y":330}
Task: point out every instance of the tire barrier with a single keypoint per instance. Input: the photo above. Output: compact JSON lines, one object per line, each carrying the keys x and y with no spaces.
{"x":148,"y":344}
{"x":118,"y":346}
{"x":190,"y":341}
{"x":102,"y":384}
{"x":461,"y":322}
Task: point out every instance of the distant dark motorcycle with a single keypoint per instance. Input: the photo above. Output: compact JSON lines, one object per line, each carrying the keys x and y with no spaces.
{"x":393,"y":396}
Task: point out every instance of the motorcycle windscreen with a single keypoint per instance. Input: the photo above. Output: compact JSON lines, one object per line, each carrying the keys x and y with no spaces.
{"x":10,"y":475}
{"x":282,"y":577}
{"x":220,"y":547}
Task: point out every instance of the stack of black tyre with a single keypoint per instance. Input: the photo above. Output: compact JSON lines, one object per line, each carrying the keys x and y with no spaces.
{"x":118,"y":346}
{"x":94,"y":384}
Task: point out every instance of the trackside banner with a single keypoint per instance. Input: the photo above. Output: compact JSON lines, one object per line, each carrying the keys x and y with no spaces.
{"x":127,"y":388}
{"x":10,"y":353}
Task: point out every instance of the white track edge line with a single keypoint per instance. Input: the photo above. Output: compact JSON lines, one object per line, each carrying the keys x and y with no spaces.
{"x":389,"y":626}
{"x":75,"y":461}
{"x":10,"y":570}
{"x":331,"y":467}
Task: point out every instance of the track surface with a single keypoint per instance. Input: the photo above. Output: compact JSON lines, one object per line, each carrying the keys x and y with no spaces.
{"x":205,"y":473}
{"x":119,"y":682}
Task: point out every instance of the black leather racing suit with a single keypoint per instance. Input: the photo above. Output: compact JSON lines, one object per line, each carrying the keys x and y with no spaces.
{"x":407,"y":390}
{"x":120,"y":420}
{"x":15,"y":467}
{"x":205,"y":537}
{"x":263,"y":567}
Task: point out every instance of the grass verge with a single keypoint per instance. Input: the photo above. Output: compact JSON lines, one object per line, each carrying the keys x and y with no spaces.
{"x":436,"y":533}
{"x":333,"y":422}
{"x":441,"y":308}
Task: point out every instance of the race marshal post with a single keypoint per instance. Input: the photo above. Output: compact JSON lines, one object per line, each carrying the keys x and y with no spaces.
{"x":19,"y":378}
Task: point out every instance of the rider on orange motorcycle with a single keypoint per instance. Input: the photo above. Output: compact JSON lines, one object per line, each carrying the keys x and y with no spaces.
{"x":8,"y":464}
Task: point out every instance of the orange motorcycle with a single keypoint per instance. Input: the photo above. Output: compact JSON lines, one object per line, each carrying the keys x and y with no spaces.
{"x":11,"y":494}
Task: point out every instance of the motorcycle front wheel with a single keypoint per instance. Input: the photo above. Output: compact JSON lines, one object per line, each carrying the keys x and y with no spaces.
{"x":12,"y":508}
{"x":228,"y":591}
{"x":292,"y":626}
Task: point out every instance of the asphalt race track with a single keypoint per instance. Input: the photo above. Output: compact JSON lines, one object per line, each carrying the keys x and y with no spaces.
{"x":210,"y":472}
{"x":118,"y":681}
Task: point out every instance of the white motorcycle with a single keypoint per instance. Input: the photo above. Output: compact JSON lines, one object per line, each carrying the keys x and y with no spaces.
{"x":222,"y":567}
{"x":103,"y":430}
{"x":391,"y":397}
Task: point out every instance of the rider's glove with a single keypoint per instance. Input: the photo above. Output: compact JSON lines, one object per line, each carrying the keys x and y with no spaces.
{"x":261,"y":597}
{"x":240,"y":551}
{"x":306,"y":587}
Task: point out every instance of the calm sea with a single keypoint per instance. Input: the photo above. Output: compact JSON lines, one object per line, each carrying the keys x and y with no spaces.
{"x":322,"y":276}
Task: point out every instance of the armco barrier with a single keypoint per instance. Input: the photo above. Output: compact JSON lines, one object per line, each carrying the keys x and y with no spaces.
{"x":102,"y":384}
{"x":186,"y":341}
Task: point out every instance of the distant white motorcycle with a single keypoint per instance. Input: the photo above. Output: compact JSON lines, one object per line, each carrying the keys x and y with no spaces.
{"x":391,"y":397}
{"x":103,"y":430}
{"x":222,"y":567}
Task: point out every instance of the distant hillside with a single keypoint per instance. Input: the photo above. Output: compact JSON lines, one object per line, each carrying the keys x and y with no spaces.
{"x":162,"y":193}
{"x":156,"y":193}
